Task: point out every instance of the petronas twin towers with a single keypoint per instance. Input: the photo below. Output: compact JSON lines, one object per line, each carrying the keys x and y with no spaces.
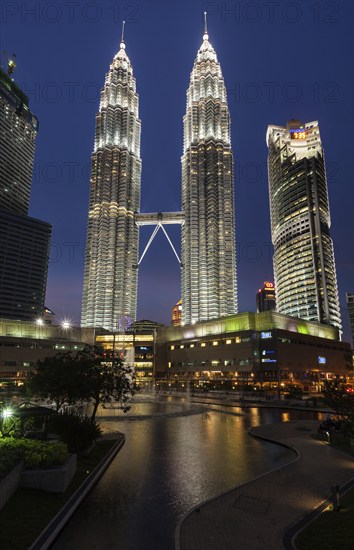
{"x":207,"y":217}
{"x":208,"y":234}
{"x":111,"y":277}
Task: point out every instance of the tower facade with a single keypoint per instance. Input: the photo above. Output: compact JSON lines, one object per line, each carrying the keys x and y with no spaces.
{"x":111,"y":276}
{"x":350,"y":305}
{"x":265,"y":297}
{"x":25,"y":241}
{"x":304,"y":264}
{"x":208,"y":233}
{"x":18,"y":131}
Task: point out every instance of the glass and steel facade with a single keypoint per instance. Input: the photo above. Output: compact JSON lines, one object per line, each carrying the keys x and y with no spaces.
{"x":208,"y":234}
{"x":265,"y":297}
{"x":18,"y":130}
{"x":25,"y":241}
{"x":304,"y":264}
{"x":350,"y":305}
{"x":111,"y":275}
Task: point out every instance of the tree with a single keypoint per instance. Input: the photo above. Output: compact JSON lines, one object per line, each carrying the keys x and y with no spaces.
{"x":342,"y":402}
{"x":106,"y":379}
{"x":57,"y":379}
{"x":87,"y":375}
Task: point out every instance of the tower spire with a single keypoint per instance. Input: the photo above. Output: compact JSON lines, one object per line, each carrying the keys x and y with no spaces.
{"x":122,"y":43}
{"x":205,"y":35}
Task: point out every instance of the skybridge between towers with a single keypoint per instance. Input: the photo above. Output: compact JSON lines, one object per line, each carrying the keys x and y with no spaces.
{"x":159,"y":220}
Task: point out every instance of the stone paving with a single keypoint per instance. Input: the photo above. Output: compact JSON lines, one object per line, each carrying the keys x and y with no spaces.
{"x":256,"y":515}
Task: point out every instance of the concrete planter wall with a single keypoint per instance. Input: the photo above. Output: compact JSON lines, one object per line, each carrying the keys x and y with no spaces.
{"x":9,"y":484}
{"x":54,"y":480}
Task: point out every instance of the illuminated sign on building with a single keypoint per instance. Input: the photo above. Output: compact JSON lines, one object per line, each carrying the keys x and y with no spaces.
{"x":265,"y":335}
{"x":267,"y":284}
{"x":322,"y":360}
{"x":299,"y":133}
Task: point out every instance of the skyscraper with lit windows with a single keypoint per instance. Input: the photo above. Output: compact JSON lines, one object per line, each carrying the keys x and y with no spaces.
{"x":304,"y":264}
{"x":350,"y":305}
{"x":208,"y":233}
{"x":25,"y":241}
{"x":111,"y":276}
{"x":265,"y":297}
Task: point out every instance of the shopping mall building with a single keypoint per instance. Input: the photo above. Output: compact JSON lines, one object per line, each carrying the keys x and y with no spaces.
{"x":267,"y":350}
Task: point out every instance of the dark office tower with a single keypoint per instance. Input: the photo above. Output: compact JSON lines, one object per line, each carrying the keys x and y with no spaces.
{"x":111,"y":276}
{"x":304,"y":265}
{"x":24,"y":241}
{"x":24,"y":254}
{"x":208,"y":234}
{"x":18,"y":130}
{"x":265,"y":297}
{"x":350,"y":304}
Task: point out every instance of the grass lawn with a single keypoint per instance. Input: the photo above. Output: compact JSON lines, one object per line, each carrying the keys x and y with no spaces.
{"x":332,"y":530}
{"x":29,"y":511}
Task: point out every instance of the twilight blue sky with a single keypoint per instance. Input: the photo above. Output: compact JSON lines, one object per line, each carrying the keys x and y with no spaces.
{"x":280,"y":60}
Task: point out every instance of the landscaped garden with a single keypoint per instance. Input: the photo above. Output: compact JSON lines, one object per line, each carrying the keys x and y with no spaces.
{"x":46,"y":454}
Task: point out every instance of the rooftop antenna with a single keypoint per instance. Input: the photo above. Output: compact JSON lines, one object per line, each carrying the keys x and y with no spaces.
{"x":10,"y":62}
{"x":205,"y":35}
{"x":122,"y":44}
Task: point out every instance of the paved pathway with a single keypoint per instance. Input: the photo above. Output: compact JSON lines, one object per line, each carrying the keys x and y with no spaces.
{"x":255,"y":516}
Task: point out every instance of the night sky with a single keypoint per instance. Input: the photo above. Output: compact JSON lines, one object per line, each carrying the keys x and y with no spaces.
{"x":280,"y":60}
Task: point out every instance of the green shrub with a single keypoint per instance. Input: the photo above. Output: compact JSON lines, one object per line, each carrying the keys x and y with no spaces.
{"x":9,"y":458}
{"x":35,"y":454}
{"x":78,"y":432}
{"x":45,"y":455}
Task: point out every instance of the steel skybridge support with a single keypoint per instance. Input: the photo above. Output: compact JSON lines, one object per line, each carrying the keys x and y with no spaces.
{"x":159,"y":219}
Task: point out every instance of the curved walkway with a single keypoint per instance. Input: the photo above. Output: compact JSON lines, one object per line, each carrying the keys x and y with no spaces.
{"x":256,"y":515}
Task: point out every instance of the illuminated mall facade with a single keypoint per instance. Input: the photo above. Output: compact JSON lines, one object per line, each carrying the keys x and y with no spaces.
{"x":267,"y":350}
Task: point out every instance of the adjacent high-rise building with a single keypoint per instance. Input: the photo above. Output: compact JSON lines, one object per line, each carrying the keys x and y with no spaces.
{"x":18,"y":131}
{"x":176,"y":320}
{"x":304,"y":264}
{"x":265,"y":297}
{"x":25,"y":241}
{"x":208,"y":233}
{"x":350,"y":305}
{"x":111,"y":275}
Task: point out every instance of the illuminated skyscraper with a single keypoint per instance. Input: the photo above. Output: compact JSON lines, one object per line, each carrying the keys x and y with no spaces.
{"x":265,"y":297}
{"x":111,"y":276}
{"x":176,"y":320}
{"x":304,"y":265}
{"x":350,"y":305}
{"x":25,"y":241}
{"x":208,"y":234}
{"x":18,"y":131}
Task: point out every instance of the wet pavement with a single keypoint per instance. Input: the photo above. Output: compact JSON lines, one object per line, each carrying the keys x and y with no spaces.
{"x":174,"y":457}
